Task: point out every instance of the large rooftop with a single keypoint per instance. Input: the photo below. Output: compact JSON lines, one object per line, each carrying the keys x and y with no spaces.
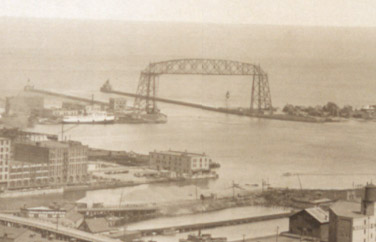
{"x":347,"y":209}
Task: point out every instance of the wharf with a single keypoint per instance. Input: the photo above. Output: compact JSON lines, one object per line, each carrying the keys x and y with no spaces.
{"x":208,"y":225}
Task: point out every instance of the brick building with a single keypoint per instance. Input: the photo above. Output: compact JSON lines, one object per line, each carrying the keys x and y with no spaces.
{"x":180,"y":162}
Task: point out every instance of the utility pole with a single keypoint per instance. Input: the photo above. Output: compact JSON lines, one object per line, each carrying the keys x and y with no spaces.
{"x":196,"y":189}
{"x":233,"y":190}
{"x":276,"y":237}
{"x":57,"y":222}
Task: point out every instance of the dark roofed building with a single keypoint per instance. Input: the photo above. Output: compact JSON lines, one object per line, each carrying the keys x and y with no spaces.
{"x":311,"y":222}
{"x":73,"y":219}
{"x":95,"y":225}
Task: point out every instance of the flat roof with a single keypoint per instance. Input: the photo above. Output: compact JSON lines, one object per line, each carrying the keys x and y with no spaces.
{"x":347,"y":209}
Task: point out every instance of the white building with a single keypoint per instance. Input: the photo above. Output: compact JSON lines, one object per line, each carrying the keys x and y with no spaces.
{"x":5,"y":146}
{"x":354,"y":222}
{"x":182,"y":163}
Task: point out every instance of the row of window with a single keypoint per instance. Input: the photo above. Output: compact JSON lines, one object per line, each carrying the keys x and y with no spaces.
{"x":4,"y":142}
{"x":5,"y":162}
{"x":3,"y":169}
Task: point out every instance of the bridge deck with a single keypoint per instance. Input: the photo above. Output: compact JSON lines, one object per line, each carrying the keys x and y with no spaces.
{"x":52,"y":228}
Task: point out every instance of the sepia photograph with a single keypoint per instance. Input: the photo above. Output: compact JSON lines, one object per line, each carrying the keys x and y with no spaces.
{"x":187,"y":121}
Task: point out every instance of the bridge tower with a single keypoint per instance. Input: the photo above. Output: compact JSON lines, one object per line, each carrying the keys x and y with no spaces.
{"x":148,"y":83}
{"x":261,"y":99}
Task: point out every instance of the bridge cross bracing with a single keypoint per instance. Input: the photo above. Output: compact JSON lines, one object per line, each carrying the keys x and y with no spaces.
{"x":148,"y":82}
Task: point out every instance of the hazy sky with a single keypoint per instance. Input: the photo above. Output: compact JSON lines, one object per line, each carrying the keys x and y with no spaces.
{"x":289,"y":12}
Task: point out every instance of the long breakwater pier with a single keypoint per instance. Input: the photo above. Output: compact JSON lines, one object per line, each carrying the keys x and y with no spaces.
{"x":236,"y":112}
{"x":215,"y":224}
{"x":65,"y":96}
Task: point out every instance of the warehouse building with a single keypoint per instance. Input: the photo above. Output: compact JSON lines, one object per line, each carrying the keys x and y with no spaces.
{"x":66,"y":161}
{"x":311,"y":222}
{"x":180,"y":162}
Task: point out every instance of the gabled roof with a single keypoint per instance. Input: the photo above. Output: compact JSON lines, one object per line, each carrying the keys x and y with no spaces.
{"x":74,"y":216}
{"x":97,"y":225}
{"x":347,"y":209}
{"x":319,"y":214}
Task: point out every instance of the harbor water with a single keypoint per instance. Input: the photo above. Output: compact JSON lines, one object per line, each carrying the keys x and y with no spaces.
{"x":301,"y":70}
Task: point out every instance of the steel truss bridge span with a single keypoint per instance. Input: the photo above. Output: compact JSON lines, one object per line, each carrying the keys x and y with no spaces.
{"x":148,"y":83}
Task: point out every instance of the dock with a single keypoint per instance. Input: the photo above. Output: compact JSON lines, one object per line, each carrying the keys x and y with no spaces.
{"x":209,"y":225}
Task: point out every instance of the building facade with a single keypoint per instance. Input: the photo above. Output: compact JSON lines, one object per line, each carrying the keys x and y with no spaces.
{"x":354,"y":222}
{"x":27,"y":175}
{"x":118,"y":104}
{"x":48,"y":163}
{"x":5,"y":155}
{"x":179,"y":162}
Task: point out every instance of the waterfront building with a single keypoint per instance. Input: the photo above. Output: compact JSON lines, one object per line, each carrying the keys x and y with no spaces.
{"x":43,"y":212}
{"x":311,"y":222}
{"x":65,"y":112}
{"x":354,"y":222}
{"x":66,"y":161}
{"x":28,"y":175}
{"x":95,"y":226}
{"x":5,"y":154}
{"x":72,"y":106}
{"x":19,"y":136}
{"x":118,"y":104}
{"x":180,"y":162}
{"x":72,"y":219}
